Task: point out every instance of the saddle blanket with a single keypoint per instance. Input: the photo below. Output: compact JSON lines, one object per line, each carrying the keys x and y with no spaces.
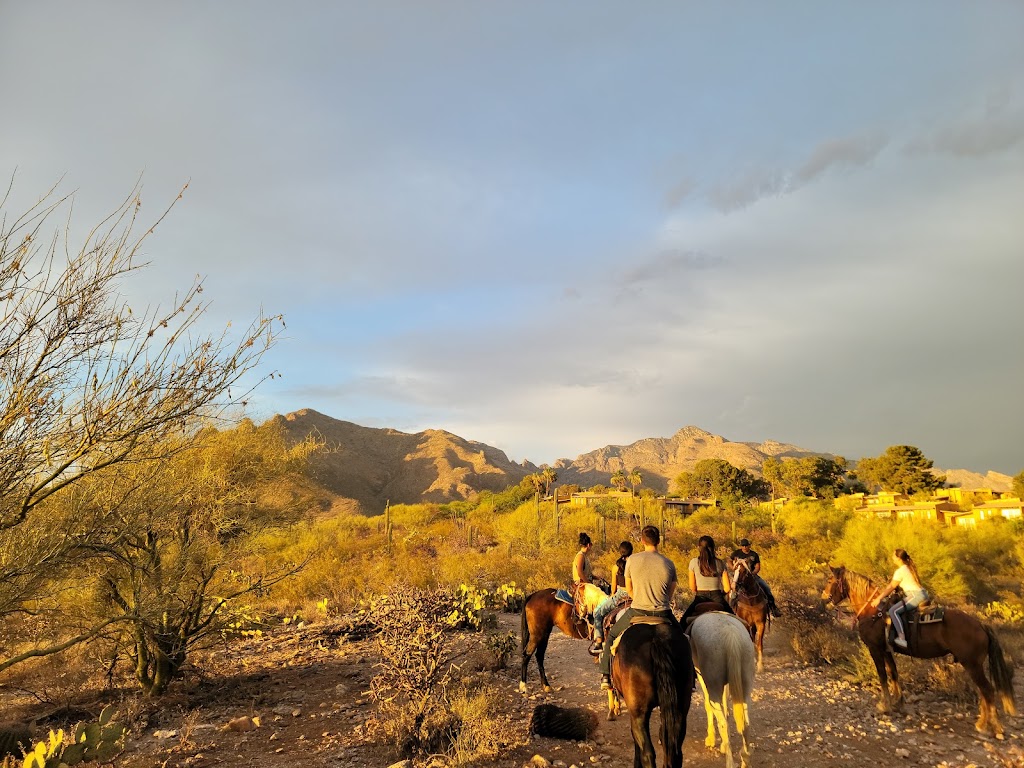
{"x":564,"y":596}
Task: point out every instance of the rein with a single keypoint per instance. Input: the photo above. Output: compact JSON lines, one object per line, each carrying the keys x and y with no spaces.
{"x":856,"y":616}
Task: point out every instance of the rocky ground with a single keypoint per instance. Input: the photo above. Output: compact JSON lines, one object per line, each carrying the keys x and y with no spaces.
{"x":299,"y":696}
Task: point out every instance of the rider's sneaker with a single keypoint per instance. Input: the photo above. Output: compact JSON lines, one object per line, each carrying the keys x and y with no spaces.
{"x":606,"y":682}
{"x":900,"y":641}
{"x":598,"y":645}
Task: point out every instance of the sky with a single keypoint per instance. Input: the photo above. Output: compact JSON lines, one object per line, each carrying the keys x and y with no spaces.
{"x":550,"y":227}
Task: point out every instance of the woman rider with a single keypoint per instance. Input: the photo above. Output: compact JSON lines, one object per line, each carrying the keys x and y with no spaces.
{"x":907,"y":579}
{"x":709,"y":579}
{"x":582,"y":571}
{"x":619,"y":594}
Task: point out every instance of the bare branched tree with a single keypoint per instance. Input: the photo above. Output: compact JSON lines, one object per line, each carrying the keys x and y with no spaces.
{"x":88,"y":384}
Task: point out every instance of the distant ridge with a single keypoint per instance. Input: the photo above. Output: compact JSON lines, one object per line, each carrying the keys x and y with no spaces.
{"x":374,"y":466}
{"x":365,"y":467}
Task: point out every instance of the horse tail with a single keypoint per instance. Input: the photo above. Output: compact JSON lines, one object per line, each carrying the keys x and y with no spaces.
{"x":740,"y":676}
{"x":524,"y":634}
{"x":673,"y":716}
{"x":1002,"y":673}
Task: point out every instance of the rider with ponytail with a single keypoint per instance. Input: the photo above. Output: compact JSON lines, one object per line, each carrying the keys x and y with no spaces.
{"x":709,"y":579}
{"x":907,"y":579}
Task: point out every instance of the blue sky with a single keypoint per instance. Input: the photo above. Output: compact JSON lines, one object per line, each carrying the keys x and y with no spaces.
{"x":551,"y":227}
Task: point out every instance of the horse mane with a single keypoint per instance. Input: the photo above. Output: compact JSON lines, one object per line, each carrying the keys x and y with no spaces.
{"x":860,"y":588}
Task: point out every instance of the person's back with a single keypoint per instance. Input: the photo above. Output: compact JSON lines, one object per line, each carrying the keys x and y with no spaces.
{"x":652,"y":575}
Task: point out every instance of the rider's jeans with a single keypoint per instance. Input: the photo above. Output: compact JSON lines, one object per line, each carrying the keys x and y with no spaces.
{"x":607,"y":606}
{"x":910,"y":600}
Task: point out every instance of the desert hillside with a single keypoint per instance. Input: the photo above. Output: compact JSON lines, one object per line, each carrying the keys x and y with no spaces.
{"x":368,"y":467}
{"x":662,"y":459}
{"x":374,"y":466}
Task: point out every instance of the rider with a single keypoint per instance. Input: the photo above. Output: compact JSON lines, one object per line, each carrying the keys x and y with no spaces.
{"x":582,"y":571}
{"x":651,"y":581}
{"x":619,"y":593}
{"x":914,"y":594}
{"x":709,"y":579}
{"x":753,"y":561}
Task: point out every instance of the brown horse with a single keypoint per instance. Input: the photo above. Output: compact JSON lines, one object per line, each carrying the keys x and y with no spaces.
{"x":752,"y":608}
{"x":653,"y":667}
{"x":542,"y":612}
{"x":960,"y":634}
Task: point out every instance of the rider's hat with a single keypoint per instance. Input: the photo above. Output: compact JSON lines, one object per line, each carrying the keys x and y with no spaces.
{"x":744,"y":542}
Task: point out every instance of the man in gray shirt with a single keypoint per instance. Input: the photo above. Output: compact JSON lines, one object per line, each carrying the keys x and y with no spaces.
{"x":651,"y":581}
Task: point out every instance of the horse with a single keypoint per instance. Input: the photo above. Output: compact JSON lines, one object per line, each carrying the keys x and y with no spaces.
{"x":542,"y":611}
{"x":653,"y":667}
{"x":752,"y":608}
{"x":724,"y":659}
{"x":959,"y":634}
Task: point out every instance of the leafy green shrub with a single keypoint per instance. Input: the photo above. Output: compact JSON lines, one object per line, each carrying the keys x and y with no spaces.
{"x":502,"y":647}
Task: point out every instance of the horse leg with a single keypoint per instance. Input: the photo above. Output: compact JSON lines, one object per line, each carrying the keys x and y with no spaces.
{"x":542,"y":647}
{"x":613,"y":705}
{"x":878,"y":656}
{"x":741,"y":716}
{"x":722,"y":716}
{"x":988,"y":717}
{"x":759,"y":644}
{"x":643,"y":747}
{"x":708,"y":712}
{"x":894,"y":680}
{"x":535,"y":640}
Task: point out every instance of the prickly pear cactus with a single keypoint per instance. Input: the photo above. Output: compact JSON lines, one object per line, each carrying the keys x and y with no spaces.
{"x":101,"y":741}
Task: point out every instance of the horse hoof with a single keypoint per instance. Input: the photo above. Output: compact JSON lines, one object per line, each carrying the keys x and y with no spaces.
{"x":522,"y":687}
{"x":548,"y":689}
{"x":709,"y":742}
{"x":883,"y":707}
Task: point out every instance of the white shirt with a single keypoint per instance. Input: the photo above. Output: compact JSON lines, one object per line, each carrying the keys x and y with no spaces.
{"x":905,"y":578}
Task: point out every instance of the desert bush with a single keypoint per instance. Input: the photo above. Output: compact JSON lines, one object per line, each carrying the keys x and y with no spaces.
{"x":480,"y":732}
{"x":867,"y":546}
{"x":821,"y":644}
{"x":415,"y":670}
{"x":502,"y":647}
{"x":468,"y":606}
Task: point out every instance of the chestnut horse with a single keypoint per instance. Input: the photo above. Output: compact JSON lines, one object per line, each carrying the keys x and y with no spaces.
{"x":959,"y":633}
{"x":542,"y":612}
{"x":652,"y":667}
{"x":752,"y":607}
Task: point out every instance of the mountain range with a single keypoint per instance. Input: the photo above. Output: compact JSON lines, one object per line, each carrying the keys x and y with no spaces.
{"x":365,"y":467}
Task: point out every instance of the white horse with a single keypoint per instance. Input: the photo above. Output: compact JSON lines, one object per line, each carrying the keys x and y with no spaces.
{"x":724,"y":658}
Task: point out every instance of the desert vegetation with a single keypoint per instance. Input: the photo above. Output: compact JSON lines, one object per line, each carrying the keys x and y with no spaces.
{"x":145,"y":527}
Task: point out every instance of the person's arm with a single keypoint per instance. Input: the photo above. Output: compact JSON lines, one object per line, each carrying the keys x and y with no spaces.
{"x":693,"y":581}
{"x":672,"y":589}
{"x":757,"y":566}
{"x":615,"y":578}
{"x":629,"y":583}
{"x":725,"y":580}
{"x":885,"y":593}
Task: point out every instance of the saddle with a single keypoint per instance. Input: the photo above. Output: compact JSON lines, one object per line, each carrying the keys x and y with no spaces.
{"x":913,"y":619}
{"x":639,"y":619}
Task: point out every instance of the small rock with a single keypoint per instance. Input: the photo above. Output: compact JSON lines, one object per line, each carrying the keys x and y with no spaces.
{"x":165,"y":734}
{"x":537,"y":761}
{"x":401,"y":764}
{"x":902,"y":752}
{"x":242,"y":724}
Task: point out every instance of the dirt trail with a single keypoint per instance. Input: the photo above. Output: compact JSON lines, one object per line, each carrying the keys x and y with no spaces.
{"x":310,"y":697}
{"x":801,"y":719}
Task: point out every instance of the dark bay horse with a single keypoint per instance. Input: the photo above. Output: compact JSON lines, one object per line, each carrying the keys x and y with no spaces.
{"x":752,"y":608}
{"x":542,"y":612}
{"x":960,"y":634}
{"x":652,"y":667}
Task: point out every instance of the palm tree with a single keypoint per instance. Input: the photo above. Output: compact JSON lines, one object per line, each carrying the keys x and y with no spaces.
{"x":548,"y":476}
{"x":635,"y":479}
{"x":619,"y":479}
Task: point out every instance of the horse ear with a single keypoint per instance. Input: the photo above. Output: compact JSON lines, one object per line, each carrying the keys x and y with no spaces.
{"x":837,"y":571}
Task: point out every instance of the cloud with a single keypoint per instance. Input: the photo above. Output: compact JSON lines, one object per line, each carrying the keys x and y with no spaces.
{"x":671,"y":263}
{"x":1000,"y":128}
{"x":846,"y":153}
{"x":830,"y":155}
